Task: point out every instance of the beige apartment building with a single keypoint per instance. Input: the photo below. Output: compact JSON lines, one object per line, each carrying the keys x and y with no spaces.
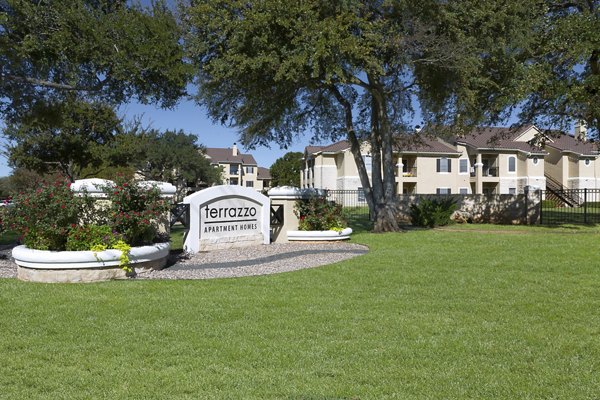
{"x":238,"y":168}
{"x":263,"y":179}
{"x":572,"y":161}
{"x":486,"y":161}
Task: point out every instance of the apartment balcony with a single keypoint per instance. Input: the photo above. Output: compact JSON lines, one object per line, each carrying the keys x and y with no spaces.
{"x":489,"y":171}
{"x":410,"y":172}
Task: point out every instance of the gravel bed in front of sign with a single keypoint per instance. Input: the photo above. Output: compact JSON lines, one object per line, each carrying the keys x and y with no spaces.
{"x":257,"y":260}
{"x":243,"y":261}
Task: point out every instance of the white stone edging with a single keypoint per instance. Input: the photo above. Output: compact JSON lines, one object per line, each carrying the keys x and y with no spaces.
{"x":55,"y":260}
{"x":319,"y":235}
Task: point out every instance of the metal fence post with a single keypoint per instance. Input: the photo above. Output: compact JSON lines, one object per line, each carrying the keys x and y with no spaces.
{"x":585,"y":221}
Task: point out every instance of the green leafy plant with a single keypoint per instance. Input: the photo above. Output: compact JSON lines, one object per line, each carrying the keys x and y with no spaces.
{"x":52,"y":217}
{"x":432,"y":212}
{"x":317,"y":214}
{"x":135,"y":211}
{"x":44,"y":215}
{"x":90,"y":237}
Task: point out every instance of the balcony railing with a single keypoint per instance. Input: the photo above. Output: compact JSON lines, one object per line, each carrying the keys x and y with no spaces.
{"x":485,"y":171}
{"x":408,"y":172}
{"x":489,"y":171}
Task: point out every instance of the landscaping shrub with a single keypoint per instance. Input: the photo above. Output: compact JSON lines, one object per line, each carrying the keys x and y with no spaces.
{"x":87,"y":237}
{"x":44,"y":215}
{"x":318,"y":214}
{"x":52,"y":217}
{"x":135,"y":210}
{"x":432,"y":212}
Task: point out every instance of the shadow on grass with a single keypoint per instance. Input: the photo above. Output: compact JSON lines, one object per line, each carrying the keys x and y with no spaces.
{"x":359,"y":223}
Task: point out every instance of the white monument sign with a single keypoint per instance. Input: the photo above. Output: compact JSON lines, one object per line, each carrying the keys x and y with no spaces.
{"x":227,"y":216}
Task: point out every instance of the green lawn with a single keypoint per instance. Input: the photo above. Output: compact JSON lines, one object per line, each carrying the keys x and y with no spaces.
{"x":427,"y":314}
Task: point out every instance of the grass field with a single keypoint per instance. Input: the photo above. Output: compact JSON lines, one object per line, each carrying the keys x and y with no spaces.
{"x":472,"y":312}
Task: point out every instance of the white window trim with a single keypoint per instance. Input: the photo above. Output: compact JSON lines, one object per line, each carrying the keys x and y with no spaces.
{"x":461,"y":188}
{"x":445,"y":188}
{"x":449,"y":164}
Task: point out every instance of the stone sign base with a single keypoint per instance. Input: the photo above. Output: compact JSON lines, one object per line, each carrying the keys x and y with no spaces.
{"x":229,"y":242}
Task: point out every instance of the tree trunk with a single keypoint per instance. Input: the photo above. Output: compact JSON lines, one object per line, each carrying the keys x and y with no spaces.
{"x":385,"y":198}
{"x":355,"y":148}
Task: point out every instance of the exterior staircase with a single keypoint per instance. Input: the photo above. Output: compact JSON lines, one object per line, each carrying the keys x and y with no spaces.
{"x":556,"y":192}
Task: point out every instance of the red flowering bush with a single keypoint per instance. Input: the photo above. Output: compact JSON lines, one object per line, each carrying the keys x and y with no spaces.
{"x":44,"y":215}
{"x":135,"y":210}
{"x":52,"y":217}
{"x":318,"y":214}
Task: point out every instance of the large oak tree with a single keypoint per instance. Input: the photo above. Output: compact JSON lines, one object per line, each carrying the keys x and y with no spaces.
{"x":351,"y":69}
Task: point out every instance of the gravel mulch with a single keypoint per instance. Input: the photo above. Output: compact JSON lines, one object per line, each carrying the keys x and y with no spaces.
{"x":246,"y":261}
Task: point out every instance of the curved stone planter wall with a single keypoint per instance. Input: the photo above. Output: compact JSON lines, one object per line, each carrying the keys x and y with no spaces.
{"x":319,"y":235}
{"x":85,"y":266}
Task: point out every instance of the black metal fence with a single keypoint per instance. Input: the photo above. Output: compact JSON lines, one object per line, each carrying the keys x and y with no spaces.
{"x":567,"y":206}
{"x":353,"y":201}
{"x":570,"y":206}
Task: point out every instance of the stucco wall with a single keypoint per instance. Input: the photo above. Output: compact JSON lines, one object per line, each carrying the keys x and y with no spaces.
{"x":503,"y":208}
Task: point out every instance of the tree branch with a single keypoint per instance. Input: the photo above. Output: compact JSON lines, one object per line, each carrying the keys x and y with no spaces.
{"x":52,"y":85}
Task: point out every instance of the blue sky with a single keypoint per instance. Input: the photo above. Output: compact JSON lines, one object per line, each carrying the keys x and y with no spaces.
{"x":193,"y":119}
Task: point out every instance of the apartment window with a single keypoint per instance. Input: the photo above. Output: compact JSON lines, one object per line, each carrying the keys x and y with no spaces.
{"x":368,"y":162}
{"x":463,"y":190}
{"x":464,"y":166}
{"x":361,"y":195}
{"x":233,"y":170}
{"x":249,"y":183}
{"x":233,"y":181}
{"x":512,"y":190}
{"x":249,"y":170}
{"x":587,"y":162}
{"x":442,"y":191}
{"x":444,"y":165}
{"x":512,"y":164}
{"x":535,"y":160}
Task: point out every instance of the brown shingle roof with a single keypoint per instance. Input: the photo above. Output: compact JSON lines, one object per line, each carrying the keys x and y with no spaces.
{"x":330,"y":148}
{"x":567,"y":143}
{"x":263,"y":173}
{"x":410,"y":144}
{"x":499,"y":138}
{"x":403,"y":144}
{"x":221,"y":155}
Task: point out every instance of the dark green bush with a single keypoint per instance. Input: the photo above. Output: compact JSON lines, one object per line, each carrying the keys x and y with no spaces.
{"x":432,"y":212}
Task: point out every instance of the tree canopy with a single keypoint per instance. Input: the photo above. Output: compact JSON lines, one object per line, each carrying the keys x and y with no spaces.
{"x":174,"y":157}
{"x":285,"y":171}
{"x":109,"y":50}
{"x":562,"y":79}
{"x":66,"y":65}
{"x":69,"y":137}
{"x":355,"y":69}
